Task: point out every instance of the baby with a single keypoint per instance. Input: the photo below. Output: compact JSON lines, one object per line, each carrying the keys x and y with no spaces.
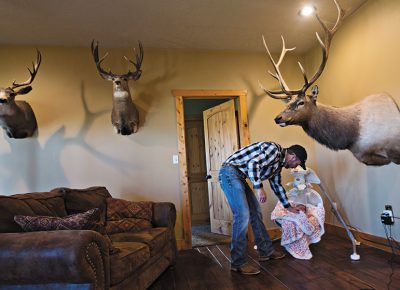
{"x":301,"y":207}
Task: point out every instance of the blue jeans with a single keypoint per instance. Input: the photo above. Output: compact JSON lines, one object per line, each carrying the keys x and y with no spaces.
{"x":245,"y":207}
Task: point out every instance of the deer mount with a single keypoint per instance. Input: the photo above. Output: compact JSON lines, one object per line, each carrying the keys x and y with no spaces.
{"x":17,"y":117}
{"x":370,"y":129}
{"x":124,"y":115}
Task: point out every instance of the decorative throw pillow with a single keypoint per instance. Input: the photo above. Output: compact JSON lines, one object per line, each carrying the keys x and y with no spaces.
{"x":128,"y":216}
{"x":81,"y":221}
{"x":118,"y":209}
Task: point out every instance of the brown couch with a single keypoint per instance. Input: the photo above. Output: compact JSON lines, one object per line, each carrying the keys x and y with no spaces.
{"x":80,"y":259}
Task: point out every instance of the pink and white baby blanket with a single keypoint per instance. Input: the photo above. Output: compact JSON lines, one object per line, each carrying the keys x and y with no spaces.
{"x":301,"y":229}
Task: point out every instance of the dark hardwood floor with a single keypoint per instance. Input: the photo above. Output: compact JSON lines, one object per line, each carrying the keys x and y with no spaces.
{"x":330,"y":268}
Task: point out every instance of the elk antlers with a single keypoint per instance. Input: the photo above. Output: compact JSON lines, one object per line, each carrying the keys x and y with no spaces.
{"x":111,"y":76}
{"x":285,"y":93}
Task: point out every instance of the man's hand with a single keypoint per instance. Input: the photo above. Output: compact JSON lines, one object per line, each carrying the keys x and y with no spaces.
{"x":262,"y":196}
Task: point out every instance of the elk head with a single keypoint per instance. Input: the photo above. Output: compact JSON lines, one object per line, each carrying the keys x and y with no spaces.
{"x":17,"y":117}
{"x":300,"y":106}
{"x":124,"y":116}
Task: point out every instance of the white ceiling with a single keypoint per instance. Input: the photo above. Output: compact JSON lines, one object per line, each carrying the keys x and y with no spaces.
{"x":187,"y":24}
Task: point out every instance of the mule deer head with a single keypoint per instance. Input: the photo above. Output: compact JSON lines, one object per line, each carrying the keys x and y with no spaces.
{"x":124,"y":116}
{"x":17,"y":117}
{"x":370,"y":129}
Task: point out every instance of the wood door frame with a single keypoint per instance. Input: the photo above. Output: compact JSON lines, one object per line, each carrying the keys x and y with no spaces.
{"x":244,"y":139}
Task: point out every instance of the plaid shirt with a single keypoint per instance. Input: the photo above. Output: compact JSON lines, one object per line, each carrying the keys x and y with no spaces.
{"x":261,"y":161}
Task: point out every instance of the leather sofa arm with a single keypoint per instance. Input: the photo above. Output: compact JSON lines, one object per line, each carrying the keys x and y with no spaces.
{"x":164,"y":214}
{"x":77,"y":257}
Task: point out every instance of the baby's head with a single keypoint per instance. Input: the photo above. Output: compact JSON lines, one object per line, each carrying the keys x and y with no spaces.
{"x":302,"y":207}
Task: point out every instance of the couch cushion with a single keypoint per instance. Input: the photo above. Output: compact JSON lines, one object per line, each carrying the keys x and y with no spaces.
{"x":130,"y":257}
{"x":32,"y":204}
{"x":118,"y":209}
{"x":127,"y":225}
{"x":80,"y":200}
{"x":80,"y":221}
{"x":128,"y":216}
{"x":155,"y":238}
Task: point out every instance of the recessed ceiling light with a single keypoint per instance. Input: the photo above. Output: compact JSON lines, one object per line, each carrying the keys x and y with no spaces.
{"x":307,"y":10}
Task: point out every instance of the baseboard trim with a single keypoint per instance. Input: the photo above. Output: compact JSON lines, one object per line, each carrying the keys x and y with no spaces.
{"x":364,"y":238}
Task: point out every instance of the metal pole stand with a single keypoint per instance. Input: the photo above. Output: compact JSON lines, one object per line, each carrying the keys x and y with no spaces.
{"x":354,"y":256}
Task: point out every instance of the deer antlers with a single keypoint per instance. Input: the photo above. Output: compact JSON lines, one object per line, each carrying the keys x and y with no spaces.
{"x":285,"y":93}
{"x":35,"y":68}
{"x":111,"y":76}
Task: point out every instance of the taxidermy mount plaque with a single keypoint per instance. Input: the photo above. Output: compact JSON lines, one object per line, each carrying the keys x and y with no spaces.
{"x":370,"y":129}
{"x":17,"y":117}
{"x":125,"y":115}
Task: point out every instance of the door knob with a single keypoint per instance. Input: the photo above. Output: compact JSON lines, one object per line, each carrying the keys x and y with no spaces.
{"x":208,"y":176}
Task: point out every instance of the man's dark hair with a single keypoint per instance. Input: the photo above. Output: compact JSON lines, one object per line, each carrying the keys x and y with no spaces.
{"x":300,"y":152}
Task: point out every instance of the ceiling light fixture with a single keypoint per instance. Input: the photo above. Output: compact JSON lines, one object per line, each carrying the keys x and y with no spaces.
{"x":307,"y":10}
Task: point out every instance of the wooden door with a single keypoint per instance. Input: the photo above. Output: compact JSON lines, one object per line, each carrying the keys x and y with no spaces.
{"x":196,"y":165}
{"x":221,"y":140}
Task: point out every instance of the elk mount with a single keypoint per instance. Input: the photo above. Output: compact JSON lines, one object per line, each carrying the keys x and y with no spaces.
{"x":370,"y":129}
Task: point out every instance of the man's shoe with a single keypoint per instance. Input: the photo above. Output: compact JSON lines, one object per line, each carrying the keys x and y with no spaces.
{"x":246,"y":269}
{"x":276,"y":255}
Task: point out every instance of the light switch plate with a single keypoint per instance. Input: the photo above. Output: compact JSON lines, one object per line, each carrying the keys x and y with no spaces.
{"x":175,"y":159}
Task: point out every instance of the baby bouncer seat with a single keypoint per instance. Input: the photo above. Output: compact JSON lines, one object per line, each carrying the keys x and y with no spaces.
{"x":306,"y":227}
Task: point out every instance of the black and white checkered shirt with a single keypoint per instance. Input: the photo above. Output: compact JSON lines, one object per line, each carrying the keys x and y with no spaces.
{"x":261,"y":161}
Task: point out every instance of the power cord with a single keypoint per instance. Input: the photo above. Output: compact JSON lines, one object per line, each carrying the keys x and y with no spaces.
{"x":394,"y":249}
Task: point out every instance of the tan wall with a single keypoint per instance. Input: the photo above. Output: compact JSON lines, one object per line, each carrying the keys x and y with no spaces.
{"x":79,"y":149}
{"x":364,"y":59}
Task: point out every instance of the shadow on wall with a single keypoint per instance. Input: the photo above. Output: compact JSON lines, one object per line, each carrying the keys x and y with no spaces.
{"x":24,"y":163}
{"x":256,"y":99}
{"x":383,"y":188}
{"x":149,"y":90}
{"x":344,"y":180}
